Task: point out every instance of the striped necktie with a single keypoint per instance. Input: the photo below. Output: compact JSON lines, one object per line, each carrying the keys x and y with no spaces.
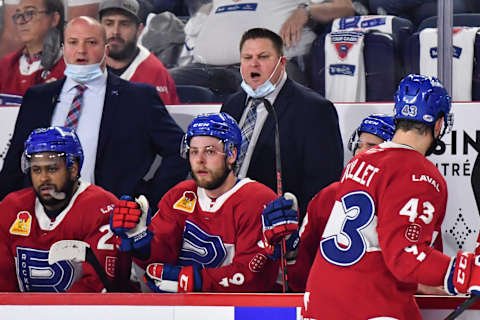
{"x":247,"y":130}
{"x":76,"y":108}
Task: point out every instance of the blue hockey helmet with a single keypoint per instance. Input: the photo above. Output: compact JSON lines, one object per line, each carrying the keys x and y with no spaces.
{"x":60,"y":140}
{"x":378,"y":124}
{"x":423,"y":99}
{"x":219,"y":125}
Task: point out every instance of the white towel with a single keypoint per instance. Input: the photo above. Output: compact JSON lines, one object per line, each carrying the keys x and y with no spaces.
{"x":364,"y":23}
{"x":462,"y":65}
{"x":344,"y":67}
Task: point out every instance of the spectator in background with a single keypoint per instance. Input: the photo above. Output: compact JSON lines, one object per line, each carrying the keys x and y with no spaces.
{"x":313,"y":12}
{"x":9,"y":41}
{"x":211,"y":58}
{"x":122,"y":125}
{"x":310,"y":140}
{"x":126,"y":58}
{"x":39,"y":26}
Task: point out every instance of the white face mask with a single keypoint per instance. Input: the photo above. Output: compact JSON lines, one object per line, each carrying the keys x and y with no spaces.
{"x":262,"y":90}
{"x":83,"y":73}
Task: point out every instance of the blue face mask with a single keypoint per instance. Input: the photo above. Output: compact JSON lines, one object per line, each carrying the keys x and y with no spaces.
{"x":262,"y":90}
{"x":83,"y":73}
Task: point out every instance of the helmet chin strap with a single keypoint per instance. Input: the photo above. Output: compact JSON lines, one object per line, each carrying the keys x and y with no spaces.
{"x":436,"y":141}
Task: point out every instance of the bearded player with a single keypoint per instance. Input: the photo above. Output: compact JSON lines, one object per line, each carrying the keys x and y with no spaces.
{"x":58,"y":206}
{"x":206,"y":233}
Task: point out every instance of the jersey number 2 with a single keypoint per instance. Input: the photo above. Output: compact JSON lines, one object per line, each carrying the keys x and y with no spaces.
{"x":348,"y":246}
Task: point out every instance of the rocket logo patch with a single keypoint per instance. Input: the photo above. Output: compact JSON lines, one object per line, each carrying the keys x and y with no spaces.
{"x":22,"y":224}
{"x":186,"y":202}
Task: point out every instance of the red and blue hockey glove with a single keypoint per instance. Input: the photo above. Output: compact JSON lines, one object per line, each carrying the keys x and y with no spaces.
{"x":280,"y":218}
{"x":463,"y":275}
{"x":130,"y":220}
{"x":163,"y":278}
{"x":291,"y":243}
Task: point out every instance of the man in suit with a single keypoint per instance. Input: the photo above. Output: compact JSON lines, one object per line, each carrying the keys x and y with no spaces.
{"x":310,"y":141}
{"x":122,"y":126}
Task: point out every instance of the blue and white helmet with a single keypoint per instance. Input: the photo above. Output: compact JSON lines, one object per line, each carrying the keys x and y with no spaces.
{"x":219,"y":125}
{"x":60,"y":140}
{"x":378,"y":124}
{"x":423,"y":99}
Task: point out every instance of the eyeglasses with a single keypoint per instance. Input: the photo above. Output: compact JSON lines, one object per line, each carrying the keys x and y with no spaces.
{"x":26,"y":16}
{"x":207,"y":151}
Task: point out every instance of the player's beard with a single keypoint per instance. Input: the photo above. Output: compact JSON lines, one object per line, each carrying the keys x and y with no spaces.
{"x":122,"y":54}
{"x":218,"y":177}
{"x":67,"y":190}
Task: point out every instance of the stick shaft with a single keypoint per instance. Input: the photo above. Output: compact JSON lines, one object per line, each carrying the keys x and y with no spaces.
{"x":278,"y":165}
{"x":464,"y":306}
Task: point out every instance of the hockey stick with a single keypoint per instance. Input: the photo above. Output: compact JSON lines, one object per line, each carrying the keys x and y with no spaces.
{"x":278,"y":166}
{"x":464,"y":306}
{"x":78,"y":251}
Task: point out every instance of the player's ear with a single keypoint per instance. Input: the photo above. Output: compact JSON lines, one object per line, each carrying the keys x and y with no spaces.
{"x":74,"y":171}
{"x":438,"y":127}
{"x":234,"y":155}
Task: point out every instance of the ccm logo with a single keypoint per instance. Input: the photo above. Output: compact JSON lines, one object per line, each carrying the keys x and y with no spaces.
{"x":462,"y":266}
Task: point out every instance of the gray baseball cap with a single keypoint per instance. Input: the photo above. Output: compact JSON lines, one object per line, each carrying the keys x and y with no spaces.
{"x":130,"y":6}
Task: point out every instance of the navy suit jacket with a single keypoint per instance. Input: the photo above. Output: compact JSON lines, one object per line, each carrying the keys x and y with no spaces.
{"x":135,"y":127}
{"x":310,"y":142}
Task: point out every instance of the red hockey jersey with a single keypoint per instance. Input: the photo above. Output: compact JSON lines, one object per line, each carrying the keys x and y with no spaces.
{"x":376,"y":245}
{"x":146,"y":68}
{"x":26,"y":234}
{"x":17,"y":74}
{"x":223,"y":236}
{"x":310,"y":236}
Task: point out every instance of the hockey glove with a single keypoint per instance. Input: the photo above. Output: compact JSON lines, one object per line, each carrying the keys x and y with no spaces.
{"x":161,"y":278}
{"x":463,"y":275}
{"x":280,"y":218}
{"x":130,"y":220}
{"x":291,"y":243}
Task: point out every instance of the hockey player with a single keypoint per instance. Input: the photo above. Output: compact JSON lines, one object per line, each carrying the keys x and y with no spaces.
{"x":375,"y":248}
{"x":205,"y":235}
{"x":373,"y":130}
{"x":58,"y":206}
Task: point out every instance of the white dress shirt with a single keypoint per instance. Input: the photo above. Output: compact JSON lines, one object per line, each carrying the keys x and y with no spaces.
{"x":88,"y":128}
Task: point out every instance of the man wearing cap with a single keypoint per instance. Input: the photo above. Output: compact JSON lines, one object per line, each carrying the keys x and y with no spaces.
{"x":126,"y":58}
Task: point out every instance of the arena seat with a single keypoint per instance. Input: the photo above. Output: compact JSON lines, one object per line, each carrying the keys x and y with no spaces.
{"x":382,"y":53}
{"x":412,"y":48}
{"x":459,"y":19}
{"x":195,"y":94}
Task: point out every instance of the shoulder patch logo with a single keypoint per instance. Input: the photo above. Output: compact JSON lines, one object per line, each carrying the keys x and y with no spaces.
{"x":186,"y":202}
{"x":22,"y":224}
